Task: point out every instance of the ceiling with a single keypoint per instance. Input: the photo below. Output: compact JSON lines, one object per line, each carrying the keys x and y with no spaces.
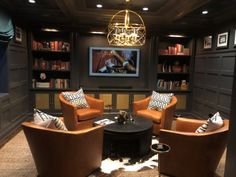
{"x":172,"y":16}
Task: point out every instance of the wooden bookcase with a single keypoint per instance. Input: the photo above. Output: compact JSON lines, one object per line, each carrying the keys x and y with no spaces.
{"x":174,"y":69}
{"x":50,"y":65}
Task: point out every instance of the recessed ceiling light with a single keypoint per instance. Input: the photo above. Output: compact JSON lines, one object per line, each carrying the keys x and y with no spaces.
{"x":32,"y":1}
{"x":204,"y":12}
{"x":50,"y":29}
{"x":97,"y":32}
{"x":145,"y":8}
{"x":176,"y":35}
{"x":99,"y":5}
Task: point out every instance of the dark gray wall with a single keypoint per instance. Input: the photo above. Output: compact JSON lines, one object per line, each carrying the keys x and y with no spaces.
{"x":3,"y":68}
{"x":14,"y":102}
{"x":83,"y":42}
{"x":213,"y":76}
{"x":230,"y":169}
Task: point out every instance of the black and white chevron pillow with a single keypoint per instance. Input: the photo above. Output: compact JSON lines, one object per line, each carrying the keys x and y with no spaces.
{"x":48,"y":121}
{"x":159,"y":101}
{"x":76,"y":98}
{"x":213,"y":123}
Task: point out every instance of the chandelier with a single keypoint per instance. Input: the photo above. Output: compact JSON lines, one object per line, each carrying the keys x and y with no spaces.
{"x":126,"y":28}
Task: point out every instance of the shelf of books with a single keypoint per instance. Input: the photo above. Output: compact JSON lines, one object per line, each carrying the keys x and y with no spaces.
{"x":174,"y":67}
{"x":50,"y":61}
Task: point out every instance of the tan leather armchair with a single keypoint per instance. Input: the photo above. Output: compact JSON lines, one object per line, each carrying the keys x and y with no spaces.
{"x":75,"y":118}
{"x":161,"y":119}
{"x":192,"y":154}
{"x":64,"y":153}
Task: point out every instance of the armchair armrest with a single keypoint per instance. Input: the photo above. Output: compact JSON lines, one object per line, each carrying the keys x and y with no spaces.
{"x":141,"y":104}
{"x":69,"y":113}
{"x":95,"y":103}
{"x":167,"y":115}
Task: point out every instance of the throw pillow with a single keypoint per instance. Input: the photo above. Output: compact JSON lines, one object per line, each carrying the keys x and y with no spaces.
{"x":76,"y":98}
{"x":159,"y":100}
{"x":213,"y":123}
{"x":48,"y":121}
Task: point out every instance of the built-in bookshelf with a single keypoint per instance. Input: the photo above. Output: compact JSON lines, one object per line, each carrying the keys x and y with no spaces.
{"x":51,"y":62}
{"x":50,"y":71}
{"x":174,"y":66}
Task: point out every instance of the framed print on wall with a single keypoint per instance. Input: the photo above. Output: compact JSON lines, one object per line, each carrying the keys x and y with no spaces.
{"x":18,"y":34}
{"x":222,"y":40}
{"x":207,"y":43}
{"x":114,"y":62}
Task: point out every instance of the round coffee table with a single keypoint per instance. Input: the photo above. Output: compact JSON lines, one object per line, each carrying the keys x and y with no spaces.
{"x":131,"y":139}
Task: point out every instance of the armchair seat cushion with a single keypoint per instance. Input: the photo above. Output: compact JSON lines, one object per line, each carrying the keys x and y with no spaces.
{"x":86,"y":114}
{"x":153,"y":115}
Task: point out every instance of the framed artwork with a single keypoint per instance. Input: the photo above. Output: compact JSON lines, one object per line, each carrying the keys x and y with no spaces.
{"x":18,"y":34}
{"x":114,"y":62}
{"x":235,"y":38}
{"x":222,"y":40}
{"x":207,"y":43}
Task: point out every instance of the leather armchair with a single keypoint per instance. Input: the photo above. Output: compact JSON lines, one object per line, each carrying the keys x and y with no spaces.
{"x":192,"y":154}
{"x":64,"y":153}
{"x":161,"y":119}
{"x":75,"y":118}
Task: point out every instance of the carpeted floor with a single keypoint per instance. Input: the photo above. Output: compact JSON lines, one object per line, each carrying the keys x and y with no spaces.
{"x":16,"y":161}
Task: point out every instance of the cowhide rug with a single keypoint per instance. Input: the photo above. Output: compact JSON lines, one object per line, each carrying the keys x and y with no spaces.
{"x":117,"y":167}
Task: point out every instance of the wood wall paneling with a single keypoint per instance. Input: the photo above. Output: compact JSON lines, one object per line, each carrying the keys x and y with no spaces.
{"x":213,"y":79}
{"x":107,"y":98}
{"x":42,"y":100}
{"x":138,"y":97}
{"x":57,"y":104}
{"x":83,"y":42}
{"x":182,"y":102}
{"x":123,"y":101}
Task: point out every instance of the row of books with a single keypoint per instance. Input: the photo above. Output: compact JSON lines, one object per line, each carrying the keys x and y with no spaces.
{"x":51,"y":46}
{"x":172,"y":68}
{"x":58,"y":65}
{"x":172,"y":85}
{"x":177,"y":49}
{"x":53,"y":83}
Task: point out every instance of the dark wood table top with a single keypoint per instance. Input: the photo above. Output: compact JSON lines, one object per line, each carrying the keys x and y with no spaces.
{"x":138,"y":125}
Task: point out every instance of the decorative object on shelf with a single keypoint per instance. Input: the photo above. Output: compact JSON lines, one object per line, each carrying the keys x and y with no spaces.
{"x":184,"y":85}
{"x":43,"y":76}
{"x":207,"y":43}
{"x":222,"y":40}
{"x":126,"y":28}
{"x":176,"y":68}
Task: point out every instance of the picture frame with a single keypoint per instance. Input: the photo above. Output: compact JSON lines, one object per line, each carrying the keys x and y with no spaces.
{"x":207,"y":42}
{"x":18,"y":34}
{"x":114,"y":62}
{"x":235,"y":38}
{"x":222,"y":40}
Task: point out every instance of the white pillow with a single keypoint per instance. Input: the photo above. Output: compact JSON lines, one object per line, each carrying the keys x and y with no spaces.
{"x":76,"y":98}
{"x":159,"y":101}
{"x":48,"y":121}
{"x":213,"y":123}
